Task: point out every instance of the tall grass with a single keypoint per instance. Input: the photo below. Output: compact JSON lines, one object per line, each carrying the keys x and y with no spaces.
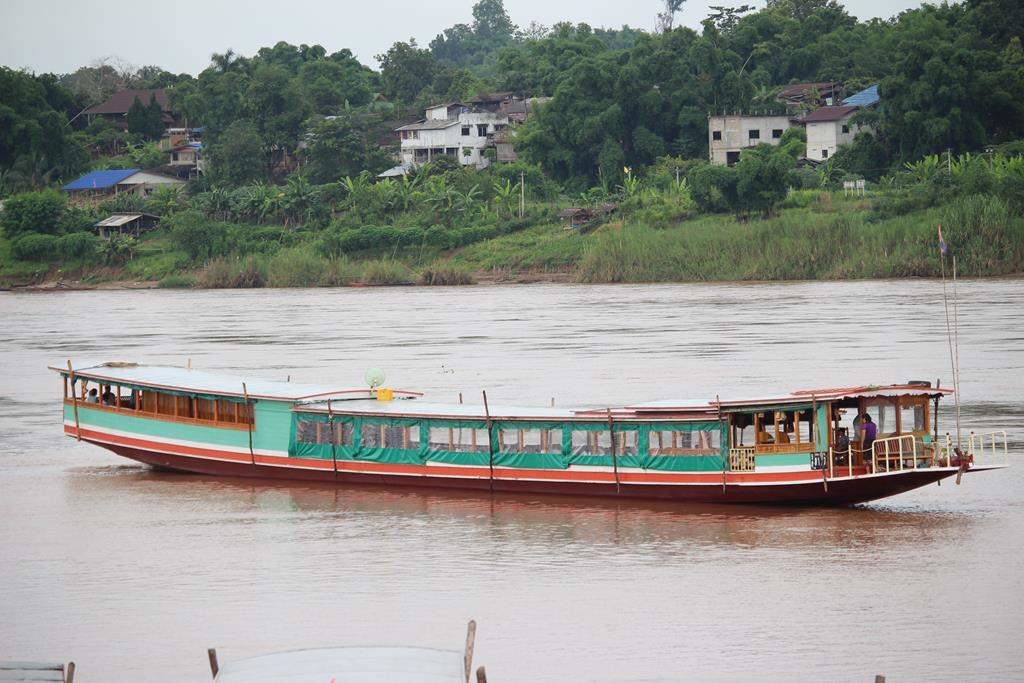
{"x":386,"y":272}
{"x":233,"y":273}
{"x":296,"y":267}
{"x":805,"y":244}
{"x":446,"y":274}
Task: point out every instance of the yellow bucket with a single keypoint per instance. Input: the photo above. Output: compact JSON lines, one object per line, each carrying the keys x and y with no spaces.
{"x":385,"y":395}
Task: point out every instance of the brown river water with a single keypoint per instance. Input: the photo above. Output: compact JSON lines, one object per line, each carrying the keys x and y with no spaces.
{"x":133,"y":573}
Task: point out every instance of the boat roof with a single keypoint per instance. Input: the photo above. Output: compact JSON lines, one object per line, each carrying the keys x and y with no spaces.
{"x":425,"y":409}
{"x":349,"y":664}
{"x":188,"y":380}
{"x":795,"y":397}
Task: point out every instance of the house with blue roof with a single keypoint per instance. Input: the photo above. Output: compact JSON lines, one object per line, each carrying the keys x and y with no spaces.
{"x":102,"y":184}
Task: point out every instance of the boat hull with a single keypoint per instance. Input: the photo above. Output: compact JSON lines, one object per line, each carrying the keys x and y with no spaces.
{"x":708,"y":488}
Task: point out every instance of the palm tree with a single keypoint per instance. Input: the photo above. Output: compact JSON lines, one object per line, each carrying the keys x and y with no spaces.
{"x":223,"y":62}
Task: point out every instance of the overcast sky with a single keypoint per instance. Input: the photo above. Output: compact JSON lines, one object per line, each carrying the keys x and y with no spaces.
{"x":61,"y":35}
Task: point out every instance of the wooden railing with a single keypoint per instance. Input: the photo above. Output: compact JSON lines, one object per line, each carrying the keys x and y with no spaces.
{"x":741,"y":459}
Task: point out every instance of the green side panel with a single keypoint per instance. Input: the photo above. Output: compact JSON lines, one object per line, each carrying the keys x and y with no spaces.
{"x":273,"y":427}
{"x":821,"y":421}
{"x":536,"y":461}
{"x":392,"y":456}
{"x":784,"y":459}
{"x":144,"y":426}
{"x":685,"y":463}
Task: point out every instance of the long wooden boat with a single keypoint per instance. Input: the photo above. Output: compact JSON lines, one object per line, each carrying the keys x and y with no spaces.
{"x":788,"y":448}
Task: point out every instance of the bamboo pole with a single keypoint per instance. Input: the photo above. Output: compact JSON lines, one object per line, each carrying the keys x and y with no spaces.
{"x":615,"y":457}
{"x":74,"y":401}
{"x":334,"y":454}
{"x":490,"y":444}
{"x":252,"y":453}
{"x":467,"y":657}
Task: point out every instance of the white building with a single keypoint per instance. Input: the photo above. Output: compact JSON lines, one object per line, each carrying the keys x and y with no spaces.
{"x":729,"y":135}
{"x":828,"y":128}
{"x":454,"y":130}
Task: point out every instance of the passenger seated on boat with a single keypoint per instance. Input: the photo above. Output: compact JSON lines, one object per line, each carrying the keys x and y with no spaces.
{"x":842,"y":446}
{"x":108,"y":398}
{"x":783,"y":437}
{"x":93,"y":397}
{"x":764,"y":437}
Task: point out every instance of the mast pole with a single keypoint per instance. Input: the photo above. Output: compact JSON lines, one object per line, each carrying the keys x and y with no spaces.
{"x":956,"y":353}
{"x":949,"y":332}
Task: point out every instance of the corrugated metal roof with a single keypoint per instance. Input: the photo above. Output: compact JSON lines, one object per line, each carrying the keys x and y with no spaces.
{"x":865,"y":98}
{"x":349,"y":664}
{"x":433,"y":124}
{"x":826,"y":114}
{"x":117,"y":219}
{"x":101,"y":180}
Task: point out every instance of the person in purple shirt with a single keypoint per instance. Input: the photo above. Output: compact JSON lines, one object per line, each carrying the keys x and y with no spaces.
{"x":869,"y":431}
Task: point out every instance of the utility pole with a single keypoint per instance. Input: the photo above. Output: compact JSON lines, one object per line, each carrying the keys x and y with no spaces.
{"x":522,"y":193}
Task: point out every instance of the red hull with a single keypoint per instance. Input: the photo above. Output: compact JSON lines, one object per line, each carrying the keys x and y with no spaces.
{"x":836,"y":492}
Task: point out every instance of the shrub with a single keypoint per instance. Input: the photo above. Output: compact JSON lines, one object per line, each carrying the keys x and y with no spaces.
{"x":117,"y":250}
{"x":77,"y":245}
{"x":34,"y":247}
{"x":33,"y":212}
{"x":177,"y":282}
{"x":386,"y":272}
{"x":713,"y":188}
{"x":446,"y":274}
{"x":197,"y":235}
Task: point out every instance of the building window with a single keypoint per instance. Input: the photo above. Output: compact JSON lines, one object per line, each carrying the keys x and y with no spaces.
{"x":465,"y":130}
{"x":732,"y":158}
{"x":716,"y":135}
{"x":481,"y":129}
{"x":846,"y":129}
{"x":753,"y":135}
{"x":777,"y":133}
{"x":824,"y":154}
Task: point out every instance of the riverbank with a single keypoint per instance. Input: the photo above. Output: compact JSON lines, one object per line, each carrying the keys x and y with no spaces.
{"x":816,"y":236}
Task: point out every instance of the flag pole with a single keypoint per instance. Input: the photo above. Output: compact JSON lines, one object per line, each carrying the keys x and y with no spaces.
{"x":953,"y":355}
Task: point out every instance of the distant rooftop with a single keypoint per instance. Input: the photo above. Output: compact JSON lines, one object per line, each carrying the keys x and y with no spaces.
{"x":865,"y":98}
{"x":100,"y":180}
{"x":825,"y":114}
{"x":121,"y":102}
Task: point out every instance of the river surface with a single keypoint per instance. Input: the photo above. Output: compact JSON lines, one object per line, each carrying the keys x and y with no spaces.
{"x":133,"y":573}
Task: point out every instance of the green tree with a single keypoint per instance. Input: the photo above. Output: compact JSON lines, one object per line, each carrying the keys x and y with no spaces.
{"x":344,"y":145}
{"x":237,"y":154}
{"x":406,"y":70}
{"x":33,"y":212}
{"x":761,"y":179}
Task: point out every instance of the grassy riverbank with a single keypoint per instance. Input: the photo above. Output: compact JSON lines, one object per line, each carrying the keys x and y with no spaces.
{"x":819,"y":236}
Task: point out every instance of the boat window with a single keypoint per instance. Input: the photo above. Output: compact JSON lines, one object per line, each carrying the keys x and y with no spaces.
{"x":459,"y":439}
{"x":166,"y":405}
{"x":310,"y":431}
{"x":776,"y":431}
{"x":530,"y":440}
{"x":600,"y":443}
{"x":883,"y":414}
{"x":405,"y":437}
{"x":913,"y":414}
{"x":701,"y":442}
